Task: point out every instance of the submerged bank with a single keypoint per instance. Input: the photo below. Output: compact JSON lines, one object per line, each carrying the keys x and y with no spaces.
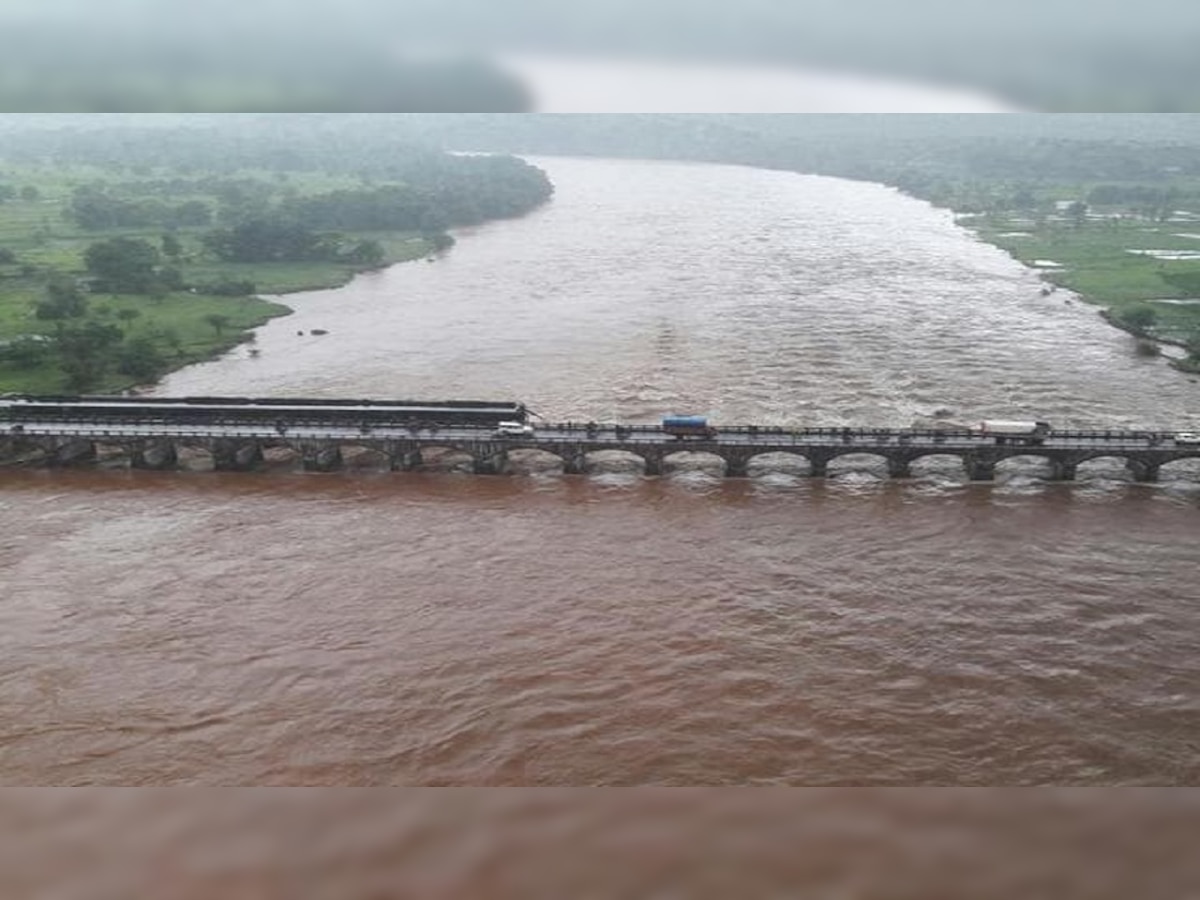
{"x":1135,"y":270}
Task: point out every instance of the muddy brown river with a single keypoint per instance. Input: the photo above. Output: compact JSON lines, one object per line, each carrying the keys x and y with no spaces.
{"x":365,"y":628}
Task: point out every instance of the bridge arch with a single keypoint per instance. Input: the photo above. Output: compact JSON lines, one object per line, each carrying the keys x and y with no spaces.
{"x":858,"y":462}
{"x":1181,"y":467}
{"x":1103,"y":465}
{"x":282,"y":455}
{"x":195,"y":456}
{"x":535,"y":461}
{"x":615,"y":461}
{"x":365,"y":457}
{"x":448,"y":457}
{"x":111,"y":453}
{"x":939,"y":463}
{"x":693,"y":461}
{"x":778,"y":461}
{"x":1026,"y":464}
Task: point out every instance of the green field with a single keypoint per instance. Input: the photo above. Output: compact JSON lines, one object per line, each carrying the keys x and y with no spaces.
{"x":45,"y":241}
{"x":1096,"y":262}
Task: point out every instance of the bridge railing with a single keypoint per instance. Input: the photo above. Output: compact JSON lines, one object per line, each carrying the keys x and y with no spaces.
{"x":898,"y":436}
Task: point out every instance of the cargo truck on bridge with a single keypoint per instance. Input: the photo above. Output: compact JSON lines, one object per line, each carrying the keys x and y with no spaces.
{"x":1014,"y":432}
{"x":688,"y":426}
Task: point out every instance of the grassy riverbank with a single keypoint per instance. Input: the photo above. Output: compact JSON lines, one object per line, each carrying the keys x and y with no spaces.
{"x":1106,"y":263}
{"x":1142,"y":267}
{"x":39,"y":241}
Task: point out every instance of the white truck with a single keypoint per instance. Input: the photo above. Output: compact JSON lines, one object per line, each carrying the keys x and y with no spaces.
{"x":1015,"y":432}
{"x":513,"y":429}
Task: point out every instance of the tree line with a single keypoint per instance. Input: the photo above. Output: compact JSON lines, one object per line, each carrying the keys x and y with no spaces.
{"x":95,"y":208}
{"x":435,"y":194}
{"x":27,"y":193}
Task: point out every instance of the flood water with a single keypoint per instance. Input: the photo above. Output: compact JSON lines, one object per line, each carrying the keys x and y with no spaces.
{"x":371,"y":629}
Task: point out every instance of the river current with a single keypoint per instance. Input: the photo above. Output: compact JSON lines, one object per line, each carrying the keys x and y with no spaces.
{"x":366,"y":628}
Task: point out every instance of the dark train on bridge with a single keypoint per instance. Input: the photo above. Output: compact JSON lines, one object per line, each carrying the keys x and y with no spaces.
{"x":273,"y":411}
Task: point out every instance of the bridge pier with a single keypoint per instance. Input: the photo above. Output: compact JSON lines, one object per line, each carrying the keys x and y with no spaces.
{"x":155,"y":455}
{"x":1063,"y":470}
{"x":737,"y":465}
{"x":22,"y":451}
{"x":490,"y":463}
{"x":980,"y":469}
{"x":899,"y":468}
{"x":818,"y":467}
{"x":1143,"y":471}
{"x":406,"y":460}
{"x":654,"y":463}
{"x":236,"y":456}
{"x":575,"y":464}
{"x":73,"y":453}
{"x":322,"y":458}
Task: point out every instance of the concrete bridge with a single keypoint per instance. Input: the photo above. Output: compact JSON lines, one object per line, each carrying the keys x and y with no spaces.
{"x":322,"y":448}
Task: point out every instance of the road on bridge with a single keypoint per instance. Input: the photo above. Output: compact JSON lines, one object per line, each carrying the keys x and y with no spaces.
{"x":617,"y":436}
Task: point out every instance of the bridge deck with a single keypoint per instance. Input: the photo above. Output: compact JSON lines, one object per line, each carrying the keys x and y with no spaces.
{"x":746,"y":437}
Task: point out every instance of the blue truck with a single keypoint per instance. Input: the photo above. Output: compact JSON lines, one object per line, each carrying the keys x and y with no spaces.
{"x":688,"y":426}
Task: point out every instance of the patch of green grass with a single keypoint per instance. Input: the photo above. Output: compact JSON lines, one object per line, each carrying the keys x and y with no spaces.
{"x":1097,"y":263}
{"x":289,"y":277}
{"x":181,"y":316}
{"x":43,"y":236}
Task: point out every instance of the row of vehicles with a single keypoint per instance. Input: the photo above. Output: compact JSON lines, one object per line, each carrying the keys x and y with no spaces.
{"x":1001,"y":431}
{"x":1010,"y":432}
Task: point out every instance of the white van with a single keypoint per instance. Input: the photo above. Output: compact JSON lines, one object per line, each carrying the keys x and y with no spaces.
{"x":1187,"y":437}
{"x":513,"y":429}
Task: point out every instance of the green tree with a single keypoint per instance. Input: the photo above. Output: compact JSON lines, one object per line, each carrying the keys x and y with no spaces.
{"x":191,"y":214}
{"x":1078,"y":213}
{"x":86,"y":353}
{"x":1024,"y":198}
{"x":125,"y":314}
{"x":123,"y":265}
{"x":30,"y":194}
{"x":171,"y":247}
{"x":7,"y":257}
{"x":263,"y":240}
{"x":170,"y":278}
{"x":366,"y":253}
{"x":63,"y":301}
{"x":140,"y":359}
{"x":440,"y":240}
{"x":218,"y":322}
{"x":1138,"y":319}
{"x":171,"y":338}
{"x":228,"y":286}
{"x":25,"y":353}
